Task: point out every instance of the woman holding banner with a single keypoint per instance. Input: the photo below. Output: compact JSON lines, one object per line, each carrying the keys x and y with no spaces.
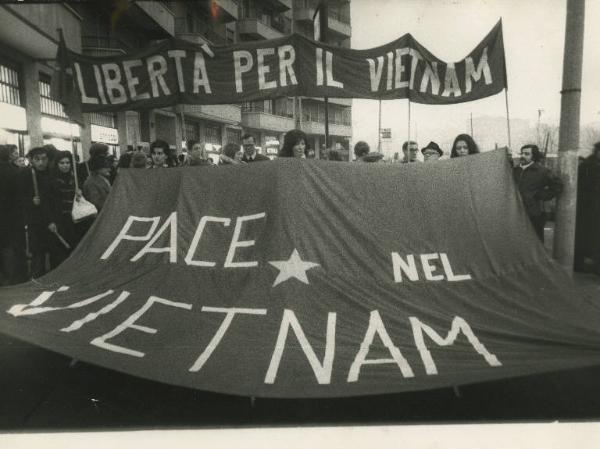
{"x":295,"y":144}
{"x":67,"y":234}
{"x":463,"y":145}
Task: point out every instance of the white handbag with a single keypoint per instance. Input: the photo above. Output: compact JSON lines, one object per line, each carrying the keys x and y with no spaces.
{"x":82,"y":209}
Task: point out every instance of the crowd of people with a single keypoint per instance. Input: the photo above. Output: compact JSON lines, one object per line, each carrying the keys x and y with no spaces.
{"x":38,"y":229}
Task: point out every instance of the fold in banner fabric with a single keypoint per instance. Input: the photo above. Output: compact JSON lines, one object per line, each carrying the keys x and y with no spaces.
{"x":312,"y":279}
{"x":180,"y":72}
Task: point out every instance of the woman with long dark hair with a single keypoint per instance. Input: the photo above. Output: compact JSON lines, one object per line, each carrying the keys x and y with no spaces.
{"x":295,"y":144}
{"x":463,"y":145}
{"x":67,"y":234}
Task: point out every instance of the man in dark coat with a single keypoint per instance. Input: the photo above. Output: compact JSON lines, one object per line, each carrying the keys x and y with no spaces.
{"x":587,"y":237}
{"x":35,"y":203}
{"x":536,"y":185}
{"x":8,"y":216}
{"x":250,"y":153}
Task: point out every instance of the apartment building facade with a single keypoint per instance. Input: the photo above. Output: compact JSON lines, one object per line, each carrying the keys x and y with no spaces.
{"x":29,"y":116}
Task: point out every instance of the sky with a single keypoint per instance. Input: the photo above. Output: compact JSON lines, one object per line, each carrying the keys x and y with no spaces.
{"x":534,"y":42}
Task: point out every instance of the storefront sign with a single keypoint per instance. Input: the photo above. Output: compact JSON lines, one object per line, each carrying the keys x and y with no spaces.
{"x":12,"y":117}
{"x":56,"y":127}
{"x":105,"y":135}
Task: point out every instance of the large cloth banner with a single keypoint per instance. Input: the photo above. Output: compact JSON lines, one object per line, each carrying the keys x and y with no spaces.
{"x":312,"y":279}
{"x":179,"y":72}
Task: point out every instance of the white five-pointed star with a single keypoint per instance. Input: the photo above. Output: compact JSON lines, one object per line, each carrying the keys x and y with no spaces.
{"x":294,"y":267}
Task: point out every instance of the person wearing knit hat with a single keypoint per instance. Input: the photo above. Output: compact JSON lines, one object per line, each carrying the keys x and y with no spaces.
{"x":97,"y":187}
{"x":432,"y":152}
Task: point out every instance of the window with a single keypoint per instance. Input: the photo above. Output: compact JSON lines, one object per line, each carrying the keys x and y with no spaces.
{"x":233,"y":135}
{"x":213,"y":134}
{"x":284,"y":107}
{"x":230,"y":36}
{"x":102,"y":119}
{"x":268,"y":106}
{"x":192,"y":130}
{"x":49,"y":105}
{"x":9,"y":85}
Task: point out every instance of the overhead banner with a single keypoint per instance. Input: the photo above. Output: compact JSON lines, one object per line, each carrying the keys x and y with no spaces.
{"x":312,"y":279}
{"x":180,"y":72}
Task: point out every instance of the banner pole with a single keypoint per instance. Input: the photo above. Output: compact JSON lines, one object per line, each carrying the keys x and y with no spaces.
{"x":326,"y":124}
{"x":379,"y":129}
{"x":507,"y":119}
{"x":323,"y":26}
{"x":74,"y":152}
{"x":408,"y":139}
{"x":183,"y":134}
{"x":471,"y":121}
{"x":183,"y":131}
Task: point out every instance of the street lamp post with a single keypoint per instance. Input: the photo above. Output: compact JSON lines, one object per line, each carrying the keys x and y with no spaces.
{"x":540,"y":111}
{"x":564,"y":233}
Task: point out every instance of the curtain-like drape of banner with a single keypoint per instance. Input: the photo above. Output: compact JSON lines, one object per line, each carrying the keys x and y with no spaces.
{"x":312,"y":279}
{"x":180,"y":72}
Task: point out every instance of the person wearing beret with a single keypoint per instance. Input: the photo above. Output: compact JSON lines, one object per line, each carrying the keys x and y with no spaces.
{"x":97,"y":187}
{"x":432,"y":152}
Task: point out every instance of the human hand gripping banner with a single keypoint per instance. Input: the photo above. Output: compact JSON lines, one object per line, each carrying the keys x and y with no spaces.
{"x":179,"y":72}
{"x":312,"y":279}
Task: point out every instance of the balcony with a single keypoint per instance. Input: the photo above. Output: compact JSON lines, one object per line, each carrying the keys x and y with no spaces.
{"x":256,"y":119}
{"x":227,"y":10}
{"x":102,"y":46}
{"x":223,"y":113}
{"x":32,"y":28}
{"x":319,"y":129}
{"x":221,"y":11}
{"x":339,"y":22}
{"x":154,"y":17}
{"x":215,"y":38}
{"x":201,"y":33}
{"x":339,"y":101}
{"x":339,"y":27}
{"x":194,"y":38}
{"x":277,"y":5}
{"x":255,"y":29}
